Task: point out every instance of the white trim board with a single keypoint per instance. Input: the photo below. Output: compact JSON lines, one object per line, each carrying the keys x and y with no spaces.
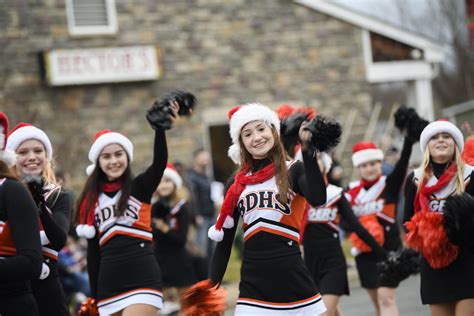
{"x":433,"y":51}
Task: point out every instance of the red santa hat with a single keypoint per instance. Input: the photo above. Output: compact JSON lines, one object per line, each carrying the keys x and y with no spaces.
{"x":363,"y":152}
{"x":7,"y":156}
{"x":171,"y":173}
{"x":240,"y":115}
{"x":104,"y":138}
{"x":23,"y":132}
{"x":441,"y":126}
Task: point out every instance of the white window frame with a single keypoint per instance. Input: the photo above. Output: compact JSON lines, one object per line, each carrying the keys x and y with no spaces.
{"x":111,"y":28}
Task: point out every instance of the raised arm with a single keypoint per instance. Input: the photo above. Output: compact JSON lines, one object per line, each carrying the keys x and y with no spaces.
{"x":397,"y":177}
{"x":145,"y":183}
{"x":307,"y":180}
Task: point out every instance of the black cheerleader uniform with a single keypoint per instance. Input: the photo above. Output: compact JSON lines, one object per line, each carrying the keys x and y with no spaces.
{"x":456,"y":281}
{"x":323,"y":253}
{"x":274,"y":278}
{"x":54,"y":225}
{"x":174,"y":260}
{"x":381,"y":199}
{"x":121,"y":263}
{"x":20,"y":249}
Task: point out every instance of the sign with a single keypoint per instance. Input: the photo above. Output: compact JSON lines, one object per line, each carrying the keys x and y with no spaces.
{"x":102,"y":65}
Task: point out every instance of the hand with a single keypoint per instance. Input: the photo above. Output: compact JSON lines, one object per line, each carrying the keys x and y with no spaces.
{"x":161,"y":225}
{"x":174,"y":107}
{"x":304,"y":135}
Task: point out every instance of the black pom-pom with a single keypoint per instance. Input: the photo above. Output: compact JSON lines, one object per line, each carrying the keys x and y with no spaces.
{"x":403,"y":116}
{"x":415,"y":128}
{"x":35,"y":186}
{"x":458,"y":216}
{"x":289,"y":130}
{"x":409,"y":123}
{"x":326,"y":133}
{"x":398,"y":266}
{"x":159,"y":115}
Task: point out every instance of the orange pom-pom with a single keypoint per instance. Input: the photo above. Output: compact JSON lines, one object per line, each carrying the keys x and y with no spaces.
{"x":372,"y":225}
{"x":468,"y":153}
{"x":427,"y":235}
{"x":203,"y":298}
{"x":89,"y":308}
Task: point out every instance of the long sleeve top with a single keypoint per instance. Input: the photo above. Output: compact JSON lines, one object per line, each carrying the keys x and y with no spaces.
{"x":20,"y":244}
{"x":55,"y":220}
{"x":177,"y":219}
{"x":438,"y":199}
{"x":110,"y":241}
{"x":284,"y":221}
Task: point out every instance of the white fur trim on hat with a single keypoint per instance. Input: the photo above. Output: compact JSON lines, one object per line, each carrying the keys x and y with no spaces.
{"x":8,"y":157}
{"x":24,"y":133}
{"x":108,"y":139}
{"x":248,"y":113}
{"x":174,"y":176}
{"x":366,"y":155}
{"x":441,"y":127}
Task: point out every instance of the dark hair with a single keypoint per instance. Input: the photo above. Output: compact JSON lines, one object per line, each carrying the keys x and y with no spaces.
{"x":94,"y":184}
{"x":6,"y":172}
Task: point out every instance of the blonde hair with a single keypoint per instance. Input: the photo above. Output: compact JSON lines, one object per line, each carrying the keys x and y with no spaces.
{"x":48,"y":171}
{"x":426,"y":170}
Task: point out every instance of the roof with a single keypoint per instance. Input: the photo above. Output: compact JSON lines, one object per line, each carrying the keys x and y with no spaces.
{"x":433,"y":50}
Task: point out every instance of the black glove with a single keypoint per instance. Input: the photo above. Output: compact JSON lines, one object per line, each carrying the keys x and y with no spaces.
{"x":35,"y":186}
{"x":409,"y":123}
{"x":398,"y":266}
{"x":159,"y":115}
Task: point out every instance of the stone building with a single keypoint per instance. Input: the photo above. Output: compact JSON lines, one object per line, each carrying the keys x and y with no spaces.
{"x":227,"y":52}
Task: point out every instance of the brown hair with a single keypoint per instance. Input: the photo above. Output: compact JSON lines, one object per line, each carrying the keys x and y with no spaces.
{"x":6,"y":172}
{"x":278,"y":156}
{"x":94,"y":185}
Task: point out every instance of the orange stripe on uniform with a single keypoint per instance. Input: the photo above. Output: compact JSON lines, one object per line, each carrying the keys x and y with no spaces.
{"x":281,"y":304}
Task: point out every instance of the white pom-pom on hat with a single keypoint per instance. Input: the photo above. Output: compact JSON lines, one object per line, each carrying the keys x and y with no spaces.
{"x":86,"y":231}
{"x":214,"y":234}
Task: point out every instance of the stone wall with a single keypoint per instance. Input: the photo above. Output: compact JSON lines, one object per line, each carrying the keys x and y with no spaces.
{"x":227,"y":52}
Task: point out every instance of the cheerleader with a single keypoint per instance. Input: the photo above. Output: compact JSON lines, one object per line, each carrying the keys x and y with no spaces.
{"x":115,"y":215}
{"x":323,"y":253}
{"x":268,"y":192}
{"x":374,"y":200}
{"x":34,"y":161}
{"x":170,"y":220}
{"x":447,"y":274}
{"x":20,"y":247}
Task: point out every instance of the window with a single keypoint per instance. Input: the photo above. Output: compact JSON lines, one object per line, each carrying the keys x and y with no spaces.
{"x":91,"y":17}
